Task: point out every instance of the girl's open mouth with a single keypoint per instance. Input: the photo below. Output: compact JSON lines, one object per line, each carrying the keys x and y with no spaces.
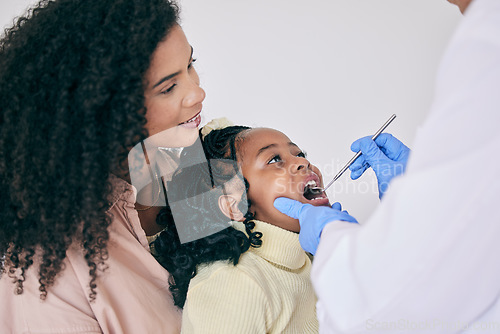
{"x":314,"y":197}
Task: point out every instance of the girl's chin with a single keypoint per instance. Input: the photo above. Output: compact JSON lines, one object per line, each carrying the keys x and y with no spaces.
{"x":322,"y":201}
{"x":318,"y":202}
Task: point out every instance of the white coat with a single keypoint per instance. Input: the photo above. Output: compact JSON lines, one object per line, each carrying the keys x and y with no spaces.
{"x":428,"y":260}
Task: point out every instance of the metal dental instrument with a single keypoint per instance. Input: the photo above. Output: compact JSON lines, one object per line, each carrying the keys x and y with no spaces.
{"x":339,"y":174}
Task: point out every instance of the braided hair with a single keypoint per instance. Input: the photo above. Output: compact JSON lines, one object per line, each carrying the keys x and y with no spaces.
{"x":71,"y":106}
{"x":182,"y":259}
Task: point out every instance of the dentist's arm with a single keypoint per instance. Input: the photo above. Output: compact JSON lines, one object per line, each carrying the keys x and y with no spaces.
{"x":427,"y":259}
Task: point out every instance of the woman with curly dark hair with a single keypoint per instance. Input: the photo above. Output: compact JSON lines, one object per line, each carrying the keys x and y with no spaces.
{"x":252,"y":276}
{"x":81,"y":83}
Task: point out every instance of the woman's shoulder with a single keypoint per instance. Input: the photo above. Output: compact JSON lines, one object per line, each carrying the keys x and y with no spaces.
{"x":121,"y":190}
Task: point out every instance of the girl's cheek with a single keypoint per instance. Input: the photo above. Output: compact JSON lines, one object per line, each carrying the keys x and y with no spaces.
{"x":280,"y":186}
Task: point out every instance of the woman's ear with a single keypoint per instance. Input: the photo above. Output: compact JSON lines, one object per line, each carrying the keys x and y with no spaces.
{"x":228,"y":204}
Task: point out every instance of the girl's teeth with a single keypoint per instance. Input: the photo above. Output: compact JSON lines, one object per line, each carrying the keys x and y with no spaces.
{"x":311,"y":183}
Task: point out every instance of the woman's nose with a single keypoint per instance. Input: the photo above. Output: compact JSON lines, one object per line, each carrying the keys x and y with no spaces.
{"x":195,"y":94}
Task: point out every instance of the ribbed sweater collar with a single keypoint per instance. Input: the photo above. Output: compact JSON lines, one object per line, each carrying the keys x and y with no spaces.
{"x":279,"y":246}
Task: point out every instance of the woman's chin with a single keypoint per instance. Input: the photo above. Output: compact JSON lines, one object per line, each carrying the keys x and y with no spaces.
{"x":178,"y":136}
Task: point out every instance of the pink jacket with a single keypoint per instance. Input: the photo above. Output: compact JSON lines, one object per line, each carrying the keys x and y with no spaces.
{"x":132,"y":294}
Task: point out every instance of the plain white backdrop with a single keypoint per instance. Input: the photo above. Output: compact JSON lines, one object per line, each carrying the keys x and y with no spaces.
{"x":325,"y":72}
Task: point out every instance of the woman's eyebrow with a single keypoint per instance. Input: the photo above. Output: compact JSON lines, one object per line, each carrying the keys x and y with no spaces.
{"x":170,"y":76}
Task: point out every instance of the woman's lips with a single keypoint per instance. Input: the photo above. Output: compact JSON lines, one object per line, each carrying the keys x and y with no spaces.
{"x":193,"y":122}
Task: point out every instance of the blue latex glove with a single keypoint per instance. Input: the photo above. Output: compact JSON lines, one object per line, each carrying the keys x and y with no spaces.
{"x":387,"y":156}
{"x":312,"y":219}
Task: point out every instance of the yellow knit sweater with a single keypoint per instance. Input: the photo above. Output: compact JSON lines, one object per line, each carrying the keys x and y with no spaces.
{"x":268,"y":291}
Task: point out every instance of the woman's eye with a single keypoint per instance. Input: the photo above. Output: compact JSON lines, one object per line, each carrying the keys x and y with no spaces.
{"x":168,"y":90}
{"x":274,"y":159}
{"x":191,"y":63}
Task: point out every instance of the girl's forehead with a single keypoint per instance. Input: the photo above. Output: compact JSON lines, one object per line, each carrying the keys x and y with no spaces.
{"x":258,"y":138}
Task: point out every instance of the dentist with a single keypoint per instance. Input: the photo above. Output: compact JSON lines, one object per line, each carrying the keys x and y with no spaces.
{"x":428,"y":260}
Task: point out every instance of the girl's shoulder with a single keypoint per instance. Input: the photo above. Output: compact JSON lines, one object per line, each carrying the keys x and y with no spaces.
{"x":248,"y":271}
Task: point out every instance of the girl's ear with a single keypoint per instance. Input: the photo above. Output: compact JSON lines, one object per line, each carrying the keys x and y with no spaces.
{"x":228,"y":204}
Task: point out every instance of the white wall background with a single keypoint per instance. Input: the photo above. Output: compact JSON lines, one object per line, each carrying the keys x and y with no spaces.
{"x":325,"y":72}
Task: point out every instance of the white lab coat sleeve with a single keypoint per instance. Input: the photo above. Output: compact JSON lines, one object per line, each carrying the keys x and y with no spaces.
{"x":428,"y":260}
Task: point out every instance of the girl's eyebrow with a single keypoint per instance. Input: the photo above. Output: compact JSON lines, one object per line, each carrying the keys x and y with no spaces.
{"x":170,"y":76}
{"x":261,"y":150}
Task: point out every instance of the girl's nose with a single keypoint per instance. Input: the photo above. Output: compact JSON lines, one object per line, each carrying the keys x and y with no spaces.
{"x":301,"y":164}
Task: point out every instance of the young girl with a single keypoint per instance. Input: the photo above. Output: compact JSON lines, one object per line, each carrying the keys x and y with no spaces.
{"x":252,"y":277}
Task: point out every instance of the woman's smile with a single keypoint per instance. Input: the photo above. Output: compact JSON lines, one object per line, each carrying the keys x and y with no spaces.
{"x":173,"y":96}
{"x":193,"y":122}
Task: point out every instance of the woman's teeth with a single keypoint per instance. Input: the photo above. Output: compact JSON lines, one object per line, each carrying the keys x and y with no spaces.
{"x":191,"y":120}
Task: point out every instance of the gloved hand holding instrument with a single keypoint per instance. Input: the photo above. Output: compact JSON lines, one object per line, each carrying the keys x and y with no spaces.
{"x":385,"y":154}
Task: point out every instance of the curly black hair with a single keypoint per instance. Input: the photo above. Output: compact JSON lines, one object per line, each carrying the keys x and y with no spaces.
{"x":71,"y":106}
{"x":182,"y":259}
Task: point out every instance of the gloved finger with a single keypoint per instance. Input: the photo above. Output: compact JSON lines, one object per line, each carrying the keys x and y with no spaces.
{"x":337,"y":206}
{"x":345,"y":216}
{"x":371,"y":152}
{"x":358,"y":167}
{"x":289,"y":206}
{"x":358,"y":163}
{"x":392,"y":147}
{"x":357,"y":173}
{"x":356,"y":145}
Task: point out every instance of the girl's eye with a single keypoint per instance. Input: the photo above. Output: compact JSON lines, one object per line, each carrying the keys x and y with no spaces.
{"x":168,"y":90}
{"x":302,"y":154}
{"x":191,"y":63}
{"x":274,"y":159}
